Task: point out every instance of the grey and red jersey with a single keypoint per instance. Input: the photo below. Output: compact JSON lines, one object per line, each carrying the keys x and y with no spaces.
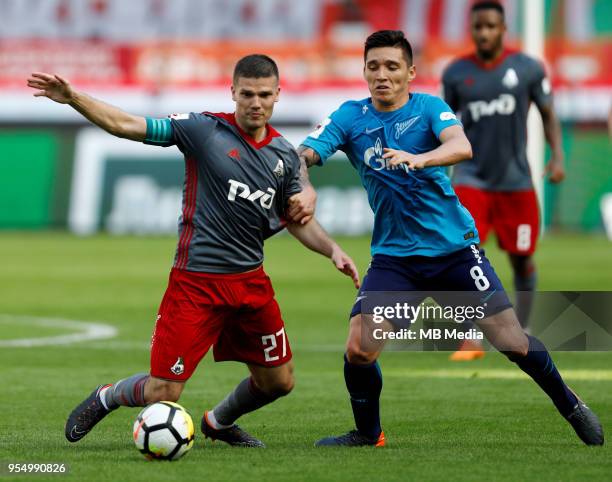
{"x":235,"y":190}
{"x":493,"y":102}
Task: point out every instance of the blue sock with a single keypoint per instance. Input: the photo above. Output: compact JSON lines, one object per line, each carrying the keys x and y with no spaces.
{"x":539,"y":365}
{"x":364,"y":384}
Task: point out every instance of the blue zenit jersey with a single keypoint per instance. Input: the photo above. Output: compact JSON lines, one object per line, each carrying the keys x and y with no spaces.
{"x":415,"y":212}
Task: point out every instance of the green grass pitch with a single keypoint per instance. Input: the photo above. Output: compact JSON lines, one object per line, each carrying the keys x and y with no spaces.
{"x":477,"y":421}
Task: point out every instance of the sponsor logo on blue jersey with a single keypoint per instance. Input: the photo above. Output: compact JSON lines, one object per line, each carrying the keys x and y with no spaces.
{"x":372,"y":157}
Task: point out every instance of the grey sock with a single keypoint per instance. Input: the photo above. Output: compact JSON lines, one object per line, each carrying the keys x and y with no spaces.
{"x":245,"y":398}
{"x":525,"y":293}
{"x":128,"y":392}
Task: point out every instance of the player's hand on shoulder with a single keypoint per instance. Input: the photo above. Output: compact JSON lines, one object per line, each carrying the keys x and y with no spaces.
{"x":397,"y":157}
{"x":302,"y":205}
{"x":346,"y":265}
{"x":52,"y":86}
{"x":555,"y":171}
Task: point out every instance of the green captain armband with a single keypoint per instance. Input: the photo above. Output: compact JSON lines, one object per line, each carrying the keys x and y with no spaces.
{"x":159,"y":132}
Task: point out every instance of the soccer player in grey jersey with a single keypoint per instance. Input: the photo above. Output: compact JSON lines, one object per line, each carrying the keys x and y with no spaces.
{"x":241,"y":180}
{"x":492,"y":90}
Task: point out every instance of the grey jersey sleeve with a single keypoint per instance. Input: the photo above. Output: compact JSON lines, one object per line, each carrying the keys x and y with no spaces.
{"x":291,"y":181}
{"x":540,"y":91}
{"x":449,"y":93}
{"x":179,"y":130}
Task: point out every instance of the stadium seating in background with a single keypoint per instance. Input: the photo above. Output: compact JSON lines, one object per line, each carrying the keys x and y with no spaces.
{"x":179,"y":43}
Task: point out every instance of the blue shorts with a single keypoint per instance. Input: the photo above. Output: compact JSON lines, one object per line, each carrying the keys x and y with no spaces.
{"x":466,"y":270}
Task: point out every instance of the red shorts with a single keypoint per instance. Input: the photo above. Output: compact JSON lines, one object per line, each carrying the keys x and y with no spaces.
{"x":513,"y":215}
{"x":237,"y":313}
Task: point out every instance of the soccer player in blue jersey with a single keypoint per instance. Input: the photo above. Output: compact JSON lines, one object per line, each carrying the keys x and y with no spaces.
{"x":424,"y":239}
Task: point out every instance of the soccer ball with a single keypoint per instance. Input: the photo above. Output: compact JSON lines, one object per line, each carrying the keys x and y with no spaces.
{"x":164,"y":431}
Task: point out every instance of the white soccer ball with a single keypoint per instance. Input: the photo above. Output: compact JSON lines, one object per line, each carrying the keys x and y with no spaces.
{"x":164,"y":431}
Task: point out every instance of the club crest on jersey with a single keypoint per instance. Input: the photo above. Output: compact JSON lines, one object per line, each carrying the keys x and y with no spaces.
{"x":241,"y":190}
{"x":179,"y":367}
{"x":179,"y":116}
{"x":402,"y":127}
{"x":511,"y":79}
{"x":279,"y":170}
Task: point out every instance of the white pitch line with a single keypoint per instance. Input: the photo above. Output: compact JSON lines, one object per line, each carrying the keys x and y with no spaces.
{"x":85,"y":331}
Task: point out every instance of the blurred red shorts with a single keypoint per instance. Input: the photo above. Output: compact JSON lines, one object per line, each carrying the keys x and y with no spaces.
{"x":513,"y":215}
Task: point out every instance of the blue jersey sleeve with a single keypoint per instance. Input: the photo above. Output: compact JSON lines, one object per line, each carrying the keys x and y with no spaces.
{"x":331,"y":135}
{"x":440,"y":115}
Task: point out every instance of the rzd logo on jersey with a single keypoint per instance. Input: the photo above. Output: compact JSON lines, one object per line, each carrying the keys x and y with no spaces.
{"x":505,"y":104}
{"x":242,"y":190}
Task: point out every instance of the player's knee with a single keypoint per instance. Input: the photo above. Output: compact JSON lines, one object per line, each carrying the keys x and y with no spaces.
{"x":285,"y":386}
{"x":518,"y":351}
{"x":278,"y":387}
{"x":356,"y":356}
{"x":524,"y":268}
{"x":165,"y":391}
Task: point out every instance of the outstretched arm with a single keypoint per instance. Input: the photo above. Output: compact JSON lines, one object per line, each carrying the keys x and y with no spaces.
{"x":302,"y":206}
{"x":455,"y":148}
{"x":552,"y":132}
{"x":314,"y":237}
{"x":109,"y":118}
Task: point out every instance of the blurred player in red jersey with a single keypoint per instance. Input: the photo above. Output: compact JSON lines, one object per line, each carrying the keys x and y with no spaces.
{"x":241,"y":179}
{"x":492,"y":90}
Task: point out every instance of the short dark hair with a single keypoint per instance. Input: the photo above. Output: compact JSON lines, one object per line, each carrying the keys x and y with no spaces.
{"x":491,"y":5}
{"x":255,"y":66}
{"x":389,"y":38}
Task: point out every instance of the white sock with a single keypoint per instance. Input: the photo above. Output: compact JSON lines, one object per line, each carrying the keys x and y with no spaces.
{"x":101,"y":394}
{"x":212,"y":420}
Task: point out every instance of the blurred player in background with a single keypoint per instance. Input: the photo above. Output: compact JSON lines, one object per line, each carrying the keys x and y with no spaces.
{"x":241,"y":176}
{"x":492,"y":90}
{"x":424,"y":239}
